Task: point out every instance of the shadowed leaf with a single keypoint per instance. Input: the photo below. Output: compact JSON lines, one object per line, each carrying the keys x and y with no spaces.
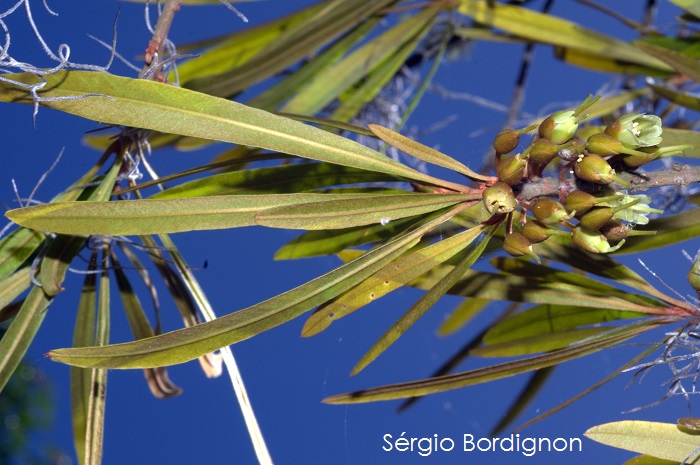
{"x":499,"y":371}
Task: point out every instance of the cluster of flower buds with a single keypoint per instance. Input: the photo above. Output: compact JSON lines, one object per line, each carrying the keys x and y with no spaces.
{"x":594,"y":217}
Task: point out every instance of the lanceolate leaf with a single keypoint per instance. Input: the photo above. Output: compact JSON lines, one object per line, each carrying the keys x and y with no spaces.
{"x":19,"y":335}
{"x":542,"y":343}
{"x":329,"y":85}
{"x":523,"y":289}
{"x":238,"y":48}
{"x":335,"y":18}
{"x":461,"y":315}
{"x":662,"y":440}
{"x":683,"y":99}
{"x":81,"y":378}
{"x":673,"y":136}
{"x":679,"y":62}
{"x":548,"y":29}
{"x":16,"y":248}
{"x":14,"y":285}
{"x":391,"y":277}
{"x":187,"y":344}
{"x":424,"y":153}
{"x":285,"y":179}
{"x":151,"y":105}
{"x":424,"y":304}
{"x":128,"y":217}
{"x":340,"y":214}
{"x":98,"y":384}
{"x":330,"y":241}
{"x":482,"y":375}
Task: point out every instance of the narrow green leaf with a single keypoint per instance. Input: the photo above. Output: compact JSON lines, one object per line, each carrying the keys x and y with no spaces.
{"x":425,"y":303}
{"x":389,"y":278}
{"x":683,"y":99}
{"x":14,"y":285}
{"x":238,"y":48}
{"x":187,"y":344}
{"x":94,"y":432}
{"x":329,"y":85}
{"x":548,"y":29}
{"x":128,"y":217}
{"x":661,"y":440}
{"x":16,"y":248}
{"x":19,"y":335}
{"x":159,"y":107}
{"x":590,"y":286}
{"x":285,"y":179}
{"x":547,"y":319}
{"x":335,"y":18}
{"x":330,"y":241}
{"x":674,"y":136}
{"x":482,"y":375}
{"x":366,"y":89}
{"x":679,"y":62}
{"x":603,"y":62}
{"x":633,"y":361}
{"x":523,"y":289}
{"x":280,"y":93}
{"x":542,"y":343}
{"x":81,"y":378}
{"x":340,"y":214}
{"x":461,"y":315}
{"x":424,"y":153}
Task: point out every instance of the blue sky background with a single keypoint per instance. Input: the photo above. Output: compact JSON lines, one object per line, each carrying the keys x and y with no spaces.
{"x":287,"y":376}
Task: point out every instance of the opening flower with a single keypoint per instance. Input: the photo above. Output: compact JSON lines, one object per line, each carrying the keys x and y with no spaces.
{"x":637,"y":130}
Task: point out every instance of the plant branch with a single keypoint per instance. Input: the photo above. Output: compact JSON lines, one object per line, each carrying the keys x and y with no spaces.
{"x":160,"y":36}
{"x":678,"y":176}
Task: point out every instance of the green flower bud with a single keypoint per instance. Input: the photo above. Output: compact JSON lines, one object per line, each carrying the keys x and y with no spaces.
{"x":594,"y":168}
{"x":617,"y":231}
{"x":597,"y":217}
{"x":549,"y":211}
{"x":694,"y":274}
{"x":562,"y":125}
{"x":592,"y":241}
{"x":511,"y":170}
{"x":581,"y":202}
{"x":542,"y":151}
{"x":507,"y":140}
{"x":636,"y":130}
{"x":536,"y":232}
{"x":499,"y":198}
{"x":518,"y":245}
{"x":605,"y":145}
